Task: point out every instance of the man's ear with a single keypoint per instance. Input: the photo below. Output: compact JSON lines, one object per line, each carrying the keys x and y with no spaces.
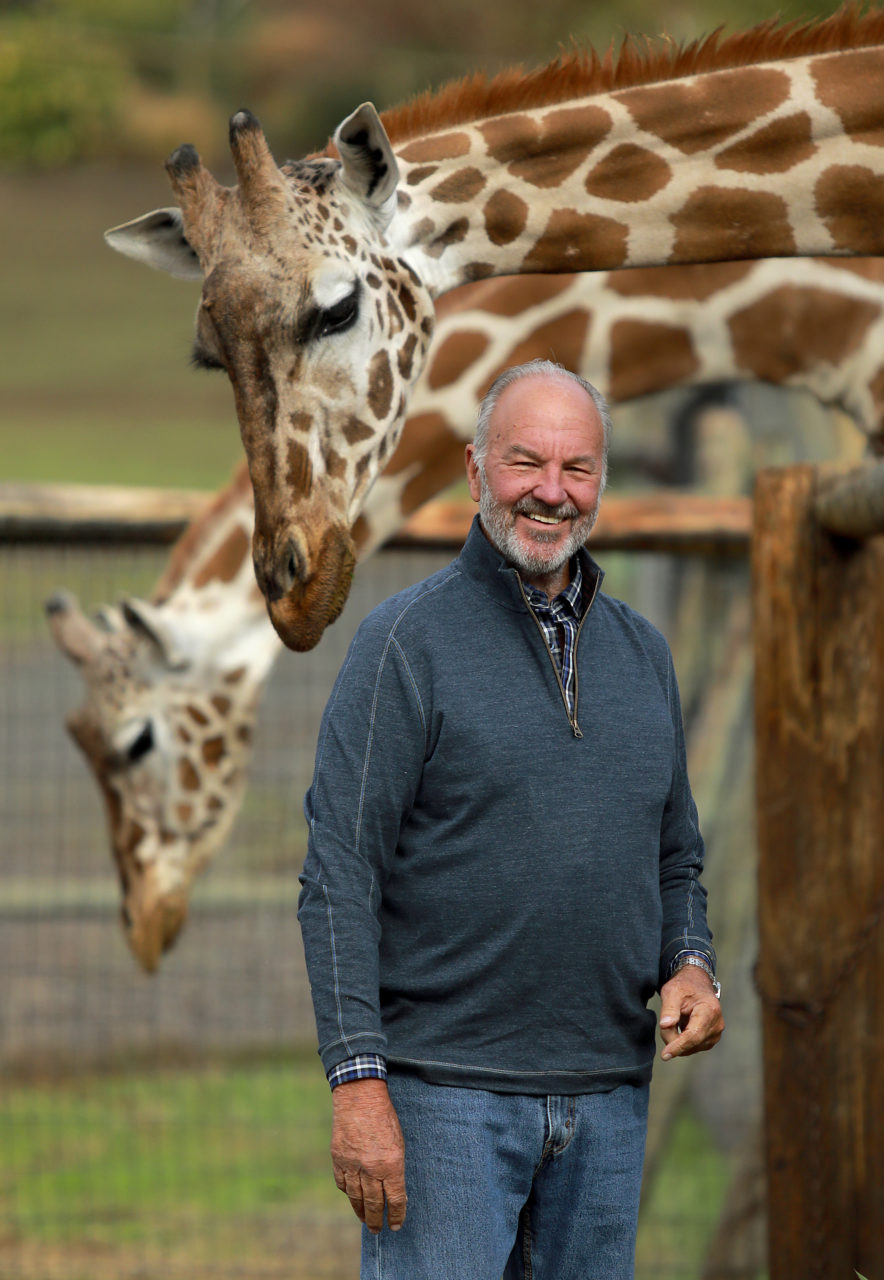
{"x":474,"y":479}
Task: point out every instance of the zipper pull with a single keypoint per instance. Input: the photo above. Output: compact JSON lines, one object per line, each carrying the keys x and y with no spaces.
{"x":578,"y":732}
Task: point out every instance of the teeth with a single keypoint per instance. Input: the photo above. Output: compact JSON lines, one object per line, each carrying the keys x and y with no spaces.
{"x":545,"y":519}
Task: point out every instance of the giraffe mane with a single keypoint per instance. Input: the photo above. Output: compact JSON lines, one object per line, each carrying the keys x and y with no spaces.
{"x":185,"y":549}
{"x":639,"y":61}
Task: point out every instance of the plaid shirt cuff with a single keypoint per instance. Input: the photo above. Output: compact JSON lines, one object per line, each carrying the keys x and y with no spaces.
{"x":365,"y":1066}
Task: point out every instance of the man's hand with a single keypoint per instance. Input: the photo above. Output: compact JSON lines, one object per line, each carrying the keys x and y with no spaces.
{"x":690,"y":1014}
{"x":368,"y":1153}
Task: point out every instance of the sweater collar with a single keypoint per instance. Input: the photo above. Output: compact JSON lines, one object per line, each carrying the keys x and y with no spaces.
{"x":486,"y":567}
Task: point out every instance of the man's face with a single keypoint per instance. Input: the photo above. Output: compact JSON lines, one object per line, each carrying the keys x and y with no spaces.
{"x":539,"y":487}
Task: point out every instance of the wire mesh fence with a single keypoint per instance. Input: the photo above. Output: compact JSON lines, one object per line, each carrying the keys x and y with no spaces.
{"x":177,"y":1124}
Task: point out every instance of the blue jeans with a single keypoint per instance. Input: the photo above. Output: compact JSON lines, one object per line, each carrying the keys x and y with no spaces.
{"x":514,"y":1186}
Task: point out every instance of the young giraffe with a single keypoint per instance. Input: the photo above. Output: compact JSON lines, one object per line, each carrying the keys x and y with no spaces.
{"x":319,"y":277}
{"x":172,"y":686}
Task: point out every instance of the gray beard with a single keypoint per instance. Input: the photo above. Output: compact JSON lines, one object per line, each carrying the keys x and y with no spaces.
{"x":499,"y":522}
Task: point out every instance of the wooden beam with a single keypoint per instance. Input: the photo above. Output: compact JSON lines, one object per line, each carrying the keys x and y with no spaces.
{"x":680,"y":523}
{"x":671,"y":521}
{"x":851,"y":503}
{"x":819,"y":711}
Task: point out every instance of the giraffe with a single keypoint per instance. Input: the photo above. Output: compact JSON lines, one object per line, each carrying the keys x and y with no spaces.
{"x":319,"y":277}
{"x":173,"y":684}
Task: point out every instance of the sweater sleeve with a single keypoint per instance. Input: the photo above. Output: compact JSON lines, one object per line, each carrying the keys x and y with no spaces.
{"x":368,"y":767}
{"x":681,"y":857}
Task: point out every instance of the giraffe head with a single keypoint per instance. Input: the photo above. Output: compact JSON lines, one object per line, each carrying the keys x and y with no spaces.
{"x":321,"y":329}
{"x":166,"y":728}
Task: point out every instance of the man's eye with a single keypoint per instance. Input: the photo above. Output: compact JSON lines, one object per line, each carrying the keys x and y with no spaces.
{"x":341,"y":316}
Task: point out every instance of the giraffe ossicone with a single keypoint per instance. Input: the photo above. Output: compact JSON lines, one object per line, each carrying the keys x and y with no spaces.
{"x":319,"y":276}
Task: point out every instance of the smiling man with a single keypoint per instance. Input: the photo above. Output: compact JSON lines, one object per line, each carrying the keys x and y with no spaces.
{"x":503,"y":867}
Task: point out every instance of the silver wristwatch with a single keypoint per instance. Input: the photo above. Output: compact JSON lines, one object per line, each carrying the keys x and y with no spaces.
{"x":699,"y":962}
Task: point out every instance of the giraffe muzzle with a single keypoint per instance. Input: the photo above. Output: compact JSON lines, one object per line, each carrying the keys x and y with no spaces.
{"x":313,"y":599}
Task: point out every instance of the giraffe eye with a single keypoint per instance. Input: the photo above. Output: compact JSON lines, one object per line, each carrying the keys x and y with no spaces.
{"x":142,"y":744}
{"x":341,"y":316}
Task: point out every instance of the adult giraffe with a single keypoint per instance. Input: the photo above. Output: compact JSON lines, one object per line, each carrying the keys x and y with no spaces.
{"x":319,"y":277}
{"x":173,"y":684}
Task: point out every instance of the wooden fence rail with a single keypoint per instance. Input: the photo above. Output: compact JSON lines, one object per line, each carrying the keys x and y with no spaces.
{"x":675,"y":522}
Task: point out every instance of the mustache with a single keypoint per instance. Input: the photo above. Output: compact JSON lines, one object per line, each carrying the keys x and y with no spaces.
{"x":534,"y":507}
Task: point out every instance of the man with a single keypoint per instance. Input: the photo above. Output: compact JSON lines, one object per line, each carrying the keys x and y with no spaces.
{"x":503,"y":866}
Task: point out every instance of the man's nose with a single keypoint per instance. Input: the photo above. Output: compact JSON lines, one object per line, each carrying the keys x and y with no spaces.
{"x":549,"y":488}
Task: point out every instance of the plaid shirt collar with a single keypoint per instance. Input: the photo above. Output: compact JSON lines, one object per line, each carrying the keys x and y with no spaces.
{"x":559,"y":620}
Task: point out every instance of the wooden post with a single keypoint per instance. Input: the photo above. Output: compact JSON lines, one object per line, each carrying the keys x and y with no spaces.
{"x":819,"y":702}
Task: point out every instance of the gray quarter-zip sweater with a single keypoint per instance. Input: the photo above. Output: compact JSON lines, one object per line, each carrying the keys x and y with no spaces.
{"x":493,"y":889}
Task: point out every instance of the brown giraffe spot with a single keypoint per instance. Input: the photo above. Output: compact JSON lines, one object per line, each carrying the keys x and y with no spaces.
{"x":214,"y":803}
{"x":453,"y":234}
{"x":473,"y":271}
{"x":214,"y":750}
{"x":184,"y":812}
{"x":380,"y":385}
{"x":512,"y":295}
{"x":561,"y":340}
{"x":299,"y":476}
{"x":628,"y":173}
{"x":647,"y":357}
{"x":812,"y":325}
{"x":244,"y":732}
{"x":700,"y":114}
{"x":405,"y":357}
{"x":361,"y":467}
{"x":442,"y":146}
{"x":196,"y":715}
{"x":460,"y":186}
{"x":845,"y":84}
{"x":407,"y":302}
{"x":506,"y":216}
{"x":188,"y":777}
{"x":416,"y":176}
{"x":458,"y":351}
{"x":349,"y":244}
{"x":850,"y":200}
{"x":359,"y":532}
{"x":545,"y":151}
{"x":335,"y":465}
{"x":578,"y":240}
{"x":220,"y":703}
{"x":355,"y":430}
{"x":234,"y":676}
{"x":689,"y":282}
{"x":716,"y":223}
{"x":183,"y":736}
{"x":373,"y":281}
{"x":301,"y":421}
{"x":226,"y":562}
{"x":866,"y":268}
{"x":775,"y":148}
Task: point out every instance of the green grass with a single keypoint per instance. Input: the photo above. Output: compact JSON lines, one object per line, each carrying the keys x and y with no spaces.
{"x":208,"y":1163}
{"x":122,"y":1159}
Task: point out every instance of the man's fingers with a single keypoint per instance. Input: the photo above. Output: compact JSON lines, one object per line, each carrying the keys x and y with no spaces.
{"x":368,"y":1196}
{"x":397,"y":1201}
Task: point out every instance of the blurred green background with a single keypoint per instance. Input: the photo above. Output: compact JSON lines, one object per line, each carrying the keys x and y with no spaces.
{"x":95,"y":384}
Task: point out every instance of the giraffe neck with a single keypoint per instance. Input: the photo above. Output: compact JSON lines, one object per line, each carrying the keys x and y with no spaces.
{"x":767,"y":160}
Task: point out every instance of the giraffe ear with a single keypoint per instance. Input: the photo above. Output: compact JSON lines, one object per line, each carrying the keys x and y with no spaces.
{"x":157,"y":239}
{"x":369,"y":165}
{"x":148,"y":620}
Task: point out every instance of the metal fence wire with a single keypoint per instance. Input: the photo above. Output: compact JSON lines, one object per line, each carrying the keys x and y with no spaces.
{"x":177,"y":1124}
